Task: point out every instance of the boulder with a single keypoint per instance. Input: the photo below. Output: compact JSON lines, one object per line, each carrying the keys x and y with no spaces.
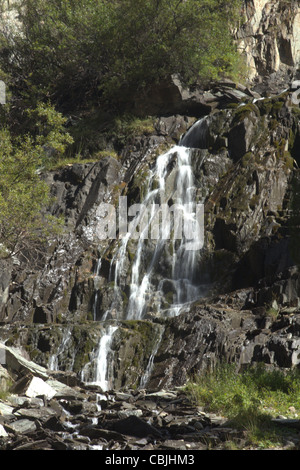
{"x":240,"y":138}
{"x":38,"y":387}
{"x":22,"y":426}
{"x":169,"y":97}
{"x":17,"y":363}
{"x":3,"y":433}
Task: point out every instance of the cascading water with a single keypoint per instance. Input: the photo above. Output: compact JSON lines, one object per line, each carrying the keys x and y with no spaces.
{"x":170,"y":237}
{"x":98,"y":370}
{"x":166,"y":254}
{"x":53,"y":363}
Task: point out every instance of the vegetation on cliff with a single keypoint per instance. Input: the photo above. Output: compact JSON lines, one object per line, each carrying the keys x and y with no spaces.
{"x":68,"y":58}
{"x":23,"y":193}
{"x":85,"y":52}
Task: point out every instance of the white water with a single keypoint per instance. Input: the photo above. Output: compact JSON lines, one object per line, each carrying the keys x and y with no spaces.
{"x":146,"y":293}
{"x":103,"y":376}
{"x":53,"y":362}
{"x":102,"y":362}
{"x":183,"y":260}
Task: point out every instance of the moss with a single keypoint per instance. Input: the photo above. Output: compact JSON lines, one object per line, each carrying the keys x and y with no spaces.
{"x":168,"y":299}
{"x":265,"y":106}
{"x":289,"y":161}
{"x":79,"y":159}
{"x":254,"y":201}
{"x":273,"y":125}
{"x":296,"y":111}
{"x":90,"y":316}
{"x":276,"y":108}
{"x":133,"y":126}
{"x":83,"y":346}
{"x":280,"y":146}
{"x":247,"y":159}
{"x":245,"y":111}
{"x":135,"y":342}
{"x":232,"y":105}
{"x":272,"y":312}
{"x":139,"y":185}
{"x":272,"y":106}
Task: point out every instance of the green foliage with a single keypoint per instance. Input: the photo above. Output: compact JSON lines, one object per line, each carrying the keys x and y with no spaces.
{"x":73,"y":51}
{"x":249,"y":399}
{"x":23,"y":194}
{"x":50,"y":132}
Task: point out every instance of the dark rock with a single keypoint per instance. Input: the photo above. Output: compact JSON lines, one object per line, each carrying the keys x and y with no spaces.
{"x":171,"y":97}
{"x":240,"y":138}
{"x":134,"y":426}
{"x":34,"y":445}
{"x":95,"y":432}
{"x":54,"y":424}
{"x":290,"y":423}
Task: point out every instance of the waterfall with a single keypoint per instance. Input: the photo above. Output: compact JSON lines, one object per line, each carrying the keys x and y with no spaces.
{"x":184,"y":256}
{"x":103,"y":376}
{"x":101,"y":363}
{"x":196,"y":136}
{"x":147,"y":374}
{"x":166,"y":256}
{"x":53,"y":363}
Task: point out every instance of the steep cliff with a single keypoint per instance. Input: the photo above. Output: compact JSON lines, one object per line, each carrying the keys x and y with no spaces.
{"x":270,"y":39}
{"x":244,"y":143}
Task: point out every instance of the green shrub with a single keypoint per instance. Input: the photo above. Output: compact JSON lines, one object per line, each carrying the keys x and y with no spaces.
{"x":88,"y":50}
{"x":23,"y":195}
{"x":250,"y":398}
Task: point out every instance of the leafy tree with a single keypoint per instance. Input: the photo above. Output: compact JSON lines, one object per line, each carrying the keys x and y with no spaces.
{"x":73,"y":51}
{"x":77,"y":54}
{"x":23,"y":193}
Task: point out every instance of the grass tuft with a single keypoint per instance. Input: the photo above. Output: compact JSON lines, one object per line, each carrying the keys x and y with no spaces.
{"x":249,"y":399}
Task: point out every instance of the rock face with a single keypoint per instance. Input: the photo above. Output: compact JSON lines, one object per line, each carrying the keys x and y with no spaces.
{"x":245,"y":163}
{"x":208,"y":335}
{"x":47,"y":414}
{"x":245,"y":168}
{"x":270,"y":36}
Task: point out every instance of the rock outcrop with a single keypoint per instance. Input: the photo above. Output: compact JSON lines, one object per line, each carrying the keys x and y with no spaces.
{"x":58,"y":412}
{"x":246,"y":173}
{"x":245,"y":161}
{"x":270,"y":40}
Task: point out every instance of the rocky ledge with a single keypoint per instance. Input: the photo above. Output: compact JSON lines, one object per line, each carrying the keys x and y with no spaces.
{"x":47,"y":410}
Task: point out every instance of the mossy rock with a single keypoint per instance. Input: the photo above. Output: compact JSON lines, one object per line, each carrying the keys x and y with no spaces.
{"x":133,"y":346}
{"x":248,"y":110}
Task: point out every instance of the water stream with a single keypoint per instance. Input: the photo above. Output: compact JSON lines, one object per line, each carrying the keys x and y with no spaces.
{"x":168,"y":236}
